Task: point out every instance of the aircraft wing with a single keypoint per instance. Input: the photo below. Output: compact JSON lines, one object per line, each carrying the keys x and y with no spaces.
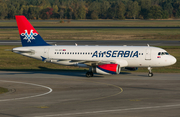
{"x":93,"y":63}
{"x":122,"y":63}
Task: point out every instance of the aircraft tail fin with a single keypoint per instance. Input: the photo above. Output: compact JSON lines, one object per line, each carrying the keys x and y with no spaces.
{"x":29,"y":36}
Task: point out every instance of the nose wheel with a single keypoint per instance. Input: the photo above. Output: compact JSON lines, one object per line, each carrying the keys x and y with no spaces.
{"x":150,"y":72}
{"x":89,"y":74}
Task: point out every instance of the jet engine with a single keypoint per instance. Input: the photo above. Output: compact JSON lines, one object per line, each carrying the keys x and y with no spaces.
{"x":107,"y":69}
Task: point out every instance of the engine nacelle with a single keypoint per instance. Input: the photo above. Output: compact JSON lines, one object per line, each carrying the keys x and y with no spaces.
{"x":130,"y":68}
{"x":107,"y":69}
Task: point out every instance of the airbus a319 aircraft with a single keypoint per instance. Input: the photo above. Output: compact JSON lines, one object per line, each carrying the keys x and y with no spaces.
{"x":99,"y":59}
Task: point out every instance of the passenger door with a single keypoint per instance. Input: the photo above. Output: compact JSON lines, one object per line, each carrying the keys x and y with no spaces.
{"x":148,"y":54}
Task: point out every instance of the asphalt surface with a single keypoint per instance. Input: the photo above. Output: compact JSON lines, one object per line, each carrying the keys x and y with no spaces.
{"x":102,"y":42}
{"x":70,"y":94}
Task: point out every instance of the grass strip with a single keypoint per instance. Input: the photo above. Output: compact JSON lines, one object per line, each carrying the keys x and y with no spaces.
{"x":115,"y":23}
{"x":97,"y":34}
{"x":3,"y":90}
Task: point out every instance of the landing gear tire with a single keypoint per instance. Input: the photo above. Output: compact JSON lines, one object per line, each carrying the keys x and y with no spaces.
{"x":150,"y":74}
{"x":89,"y":74}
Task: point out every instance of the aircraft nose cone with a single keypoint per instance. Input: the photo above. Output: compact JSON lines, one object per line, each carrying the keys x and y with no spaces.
{"x":173,"y":60}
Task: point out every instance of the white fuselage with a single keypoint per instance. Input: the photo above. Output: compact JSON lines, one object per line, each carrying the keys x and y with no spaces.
{"x":125,"y":56}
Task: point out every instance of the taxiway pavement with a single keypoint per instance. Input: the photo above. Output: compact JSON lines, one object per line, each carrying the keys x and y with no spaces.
{"x":70,"y":94}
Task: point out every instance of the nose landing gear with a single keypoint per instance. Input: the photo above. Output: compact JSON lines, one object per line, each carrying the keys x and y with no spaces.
{"x":150,"y":72}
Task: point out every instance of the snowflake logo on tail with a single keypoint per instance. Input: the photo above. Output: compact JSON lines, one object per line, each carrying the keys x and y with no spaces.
{"x":30,"y":36}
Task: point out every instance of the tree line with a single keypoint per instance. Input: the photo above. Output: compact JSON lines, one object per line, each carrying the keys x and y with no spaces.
{"x":90,"y":9}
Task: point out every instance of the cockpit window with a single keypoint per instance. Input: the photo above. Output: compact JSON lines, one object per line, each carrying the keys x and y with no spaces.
{"x":166,"y":53}
{"x":163,"y":53}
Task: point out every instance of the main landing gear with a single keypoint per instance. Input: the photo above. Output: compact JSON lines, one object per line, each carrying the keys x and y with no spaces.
{"x":150,"y":72}
{"x":89,"y":74}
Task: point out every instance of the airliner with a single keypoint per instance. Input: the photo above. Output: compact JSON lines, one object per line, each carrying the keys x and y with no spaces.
{"x":99,"y":59}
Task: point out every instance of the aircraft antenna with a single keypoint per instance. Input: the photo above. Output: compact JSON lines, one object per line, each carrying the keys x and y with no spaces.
{"x":148,"y":45}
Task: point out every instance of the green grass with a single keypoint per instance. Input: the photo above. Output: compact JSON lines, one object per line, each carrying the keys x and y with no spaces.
{"x":98,"y":34}
{"x":11,"y":61}
{"x":123,"y":23}
{"x":3,"y":90}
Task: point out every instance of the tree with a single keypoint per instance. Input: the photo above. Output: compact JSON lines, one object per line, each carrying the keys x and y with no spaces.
{"x":61,"y":13}
{"x":176,"y":8}
{"x":80,"y":9}
{"x":133,"y":9}
{"x":121,"y":11}
{"x":145,"y":7}
{"x":75,"y":7}
{"x":165,"y":14}
{"x":70,"y":13}
{"x":94,"y":15}
{"x":55,"y":8}
{"x":94,"y":9}
{"x":145,"y":4}
{"x":155,"y":12}
{"x":46,"y":13}
{"x":167,"y":7}
{"x":104,"y":9}
{"x":112,"y":11}
{"x":11,"y":11}
{"x":3,"y":9}
{"x":82,"y":12}
{"x":32,"y":12}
